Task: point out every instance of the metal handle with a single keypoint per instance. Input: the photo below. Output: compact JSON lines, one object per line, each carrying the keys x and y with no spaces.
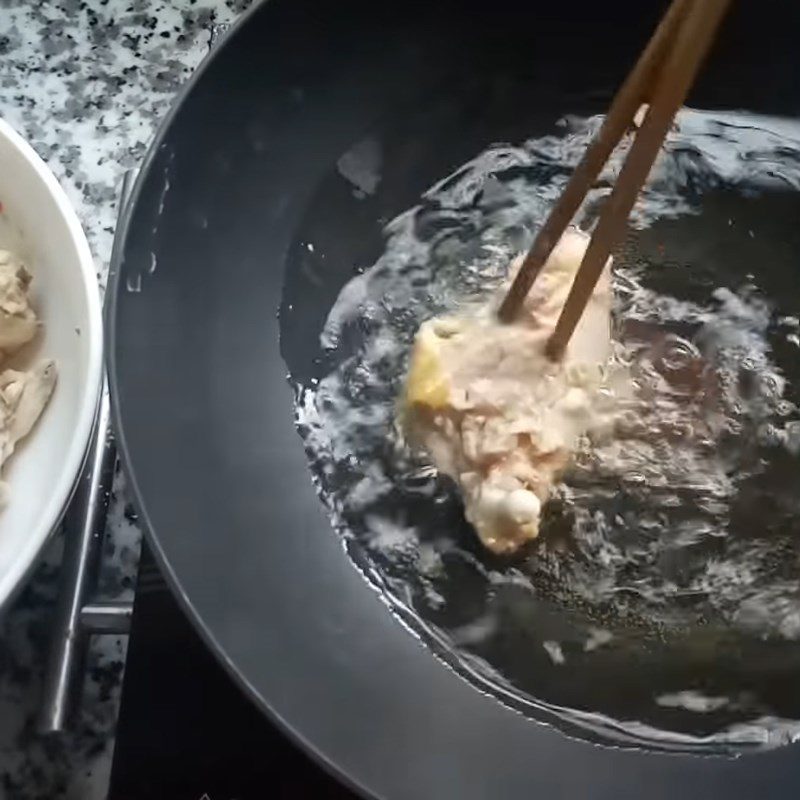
{"x":107,"y":617}
{"x":76,"y":615}
{"x":84,"y":526}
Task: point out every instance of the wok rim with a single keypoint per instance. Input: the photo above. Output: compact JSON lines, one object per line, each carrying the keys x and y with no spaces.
{"x":113,"y":285}
{"x":537,"y":729}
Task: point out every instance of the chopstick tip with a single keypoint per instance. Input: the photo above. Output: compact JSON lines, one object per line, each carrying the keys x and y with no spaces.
{"x":554,"y":350}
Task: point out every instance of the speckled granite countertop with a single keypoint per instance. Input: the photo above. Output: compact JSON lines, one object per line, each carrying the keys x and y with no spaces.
{"x":86,"y":82}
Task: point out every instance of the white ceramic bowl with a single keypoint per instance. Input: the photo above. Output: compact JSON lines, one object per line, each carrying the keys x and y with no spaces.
{"x":38,"y":221}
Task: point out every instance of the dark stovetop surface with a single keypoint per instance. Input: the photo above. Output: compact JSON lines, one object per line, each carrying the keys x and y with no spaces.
{"x":186,"y":731}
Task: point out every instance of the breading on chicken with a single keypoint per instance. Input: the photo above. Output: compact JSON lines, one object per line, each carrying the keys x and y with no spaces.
{"x":18,"y":323}
{"x":23,"y":394}
{"x":495,"y":414}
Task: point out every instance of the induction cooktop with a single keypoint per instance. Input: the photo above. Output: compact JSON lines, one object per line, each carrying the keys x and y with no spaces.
{"x":186,"y":731}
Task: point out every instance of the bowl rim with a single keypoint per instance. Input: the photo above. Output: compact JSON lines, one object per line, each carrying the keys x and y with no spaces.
{"x":56,"y":504}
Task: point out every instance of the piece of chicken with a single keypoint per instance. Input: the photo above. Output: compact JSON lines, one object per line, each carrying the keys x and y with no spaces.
{"x":23,"y":397}
{"x":18,"y":323}
{"x":495,"y":414}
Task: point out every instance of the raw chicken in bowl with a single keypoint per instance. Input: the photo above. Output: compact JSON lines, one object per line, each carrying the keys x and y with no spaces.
{"x":39,"y":228}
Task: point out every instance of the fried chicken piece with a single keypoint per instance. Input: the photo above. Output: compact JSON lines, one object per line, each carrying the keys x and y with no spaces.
{"x":495,"y":414}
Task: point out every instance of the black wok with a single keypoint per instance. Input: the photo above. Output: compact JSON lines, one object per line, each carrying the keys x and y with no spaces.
{"x":204,"y":412}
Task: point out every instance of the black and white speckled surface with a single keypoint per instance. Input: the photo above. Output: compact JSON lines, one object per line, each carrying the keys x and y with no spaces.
{"x":86,"y":82}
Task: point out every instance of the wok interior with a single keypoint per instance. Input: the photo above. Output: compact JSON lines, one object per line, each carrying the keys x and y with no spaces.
{"x":498,"y":630}
{"x":402,"y":154}
{"x":235,"y":195}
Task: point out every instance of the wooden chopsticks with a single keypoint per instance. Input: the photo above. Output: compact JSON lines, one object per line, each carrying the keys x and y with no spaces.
{"x":662,"y":77}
